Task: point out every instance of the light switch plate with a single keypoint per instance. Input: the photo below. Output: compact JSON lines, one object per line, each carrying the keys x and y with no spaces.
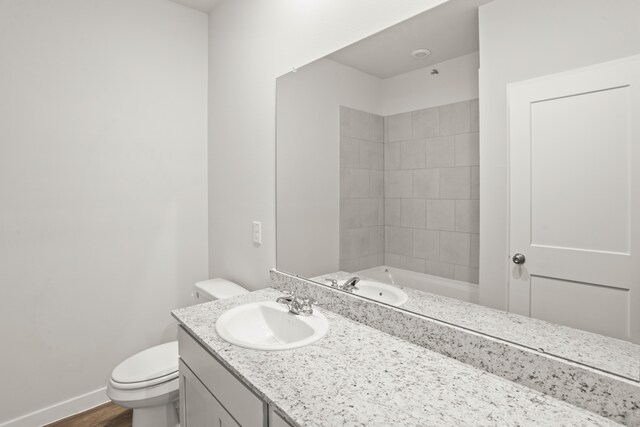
{"x":257,"y":232}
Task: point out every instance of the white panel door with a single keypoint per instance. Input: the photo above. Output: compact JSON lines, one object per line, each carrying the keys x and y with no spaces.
{"x":575,"y":198}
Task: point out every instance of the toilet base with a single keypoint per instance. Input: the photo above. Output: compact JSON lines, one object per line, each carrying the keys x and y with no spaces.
{"x":155,"y":416}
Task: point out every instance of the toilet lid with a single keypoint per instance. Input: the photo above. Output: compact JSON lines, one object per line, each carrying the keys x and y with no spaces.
{"x":154,"y":365}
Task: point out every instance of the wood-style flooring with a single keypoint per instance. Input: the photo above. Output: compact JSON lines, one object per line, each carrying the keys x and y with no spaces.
{"x":107,"y":415}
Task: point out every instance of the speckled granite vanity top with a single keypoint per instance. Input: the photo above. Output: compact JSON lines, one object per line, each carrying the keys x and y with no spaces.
{"x":359,"y":376}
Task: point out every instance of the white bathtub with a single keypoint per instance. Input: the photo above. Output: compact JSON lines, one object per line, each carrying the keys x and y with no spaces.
{"x":424,"y":282}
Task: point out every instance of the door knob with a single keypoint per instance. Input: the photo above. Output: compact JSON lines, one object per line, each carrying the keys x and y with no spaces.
{"x":518,"y":259}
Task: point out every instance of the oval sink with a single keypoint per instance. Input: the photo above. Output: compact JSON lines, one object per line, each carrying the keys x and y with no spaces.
{"x":269,"y":325}
{"x":380,"y":292}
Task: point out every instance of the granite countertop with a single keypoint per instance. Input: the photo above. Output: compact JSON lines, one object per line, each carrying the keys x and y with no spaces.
{"x":579,"y":346}
{"x":359,"y":376}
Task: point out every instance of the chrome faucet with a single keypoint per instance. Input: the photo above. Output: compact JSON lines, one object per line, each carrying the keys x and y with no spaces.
{"x":296,"y":305}
{"x":350,"y":284}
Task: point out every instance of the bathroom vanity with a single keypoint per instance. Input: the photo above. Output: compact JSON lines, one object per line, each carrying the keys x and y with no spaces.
{"x":354,"y":375}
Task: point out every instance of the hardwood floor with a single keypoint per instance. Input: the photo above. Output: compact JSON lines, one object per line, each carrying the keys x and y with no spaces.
{"x":107,"y":415}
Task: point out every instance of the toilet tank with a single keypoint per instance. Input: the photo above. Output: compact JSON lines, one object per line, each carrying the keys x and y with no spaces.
{"x":213,"y":289}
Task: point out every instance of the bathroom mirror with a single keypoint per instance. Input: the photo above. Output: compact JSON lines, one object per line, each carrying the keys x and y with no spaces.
{"x":378,"y":172}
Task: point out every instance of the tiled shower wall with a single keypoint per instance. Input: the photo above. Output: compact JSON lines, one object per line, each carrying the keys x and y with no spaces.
{"x":431,"y":161}
{"x":409,"y":190}
{"x":361,"y":190}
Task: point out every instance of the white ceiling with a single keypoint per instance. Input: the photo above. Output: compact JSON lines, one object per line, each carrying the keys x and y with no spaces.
{"x":202,"y":5}
{"x":448,"y":31}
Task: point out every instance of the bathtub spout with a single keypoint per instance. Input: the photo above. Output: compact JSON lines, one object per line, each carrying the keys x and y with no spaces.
{"x":386,"y":270}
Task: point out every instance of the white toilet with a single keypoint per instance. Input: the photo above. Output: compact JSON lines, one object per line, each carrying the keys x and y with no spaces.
{"x":148,"y":382}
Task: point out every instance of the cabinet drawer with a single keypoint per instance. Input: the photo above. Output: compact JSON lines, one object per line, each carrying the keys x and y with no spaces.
{"x":247,"y":408}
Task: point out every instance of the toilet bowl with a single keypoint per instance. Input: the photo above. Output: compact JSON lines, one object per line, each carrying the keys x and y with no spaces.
{"x":148,"y":382}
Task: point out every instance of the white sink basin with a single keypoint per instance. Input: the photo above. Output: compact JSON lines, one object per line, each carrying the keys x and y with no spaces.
{"x":269,"y":326}
{"x":380,"y":292}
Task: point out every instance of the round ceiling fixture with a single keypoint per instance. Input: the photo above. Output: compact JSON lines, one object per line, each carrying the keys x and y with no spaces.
{"x":421,"y":53}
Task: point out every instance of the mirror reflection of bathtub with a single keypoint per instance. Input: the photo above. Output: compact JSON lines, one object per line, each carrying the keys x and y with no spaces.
{"x":451,"y":288}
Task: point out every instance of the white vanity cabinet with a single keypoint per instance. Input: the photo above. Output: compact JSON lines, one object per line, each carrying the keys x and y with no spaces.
{"x":210,"y":395}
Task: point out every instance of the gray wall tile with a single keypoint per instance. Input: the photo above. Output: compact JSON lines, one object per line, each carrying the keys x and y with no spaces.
{"x":475,"y":251}
{"x":392,"y":155}
{"x":455,"y":248}
{"x":345,"y":244}
{"x":359,"y":183}
{"x":372,"y":261}
{"x":412,"y":154}
{"x":392,"y":260}
{"x":426,"y":183}
{"x":349,"y":152}
{"x":475,"y":182}
{"x":425,"y":123}
{"x":368,"y":211}
{"x":376,"y":128}
{"x":440,"y":152}
{"x":467,"y":149}
{"x":412,"y":264}
{"x":441,"y":215}
{"x":475,"y":115}
{"x":359,"y":124}
{"x":455,"y":183}
{"x":376,"y":183}
{"x":468,"y":216}
{"x":400,"y":240}
{"x":392,"y":211}
{"x":455,"y":118}
{"x":361,"y":190}
{"x":371,"y":155}
{"x":349,"y":214}
{"x":441,"y":269}
{"x":426,"y":244}
{"x":467,"y":274}
{"x":359,"y":242}
{"x":409,"y":188}
{"x":412,"y":213}
{"x":399,"y":127}
{"x":400,"y":184}
{"x":376,"y":240}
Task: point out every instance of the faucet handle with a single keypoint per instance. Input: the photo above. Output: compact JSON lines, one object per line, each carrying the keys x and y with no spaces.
{"x":290,"y":294}
{"x":334,"y":282}
{"x":306,"y":306}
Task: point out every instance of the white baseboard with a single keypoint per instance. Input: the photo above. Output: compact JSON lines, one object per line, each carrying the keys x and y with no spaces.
{"x":60,"y":410}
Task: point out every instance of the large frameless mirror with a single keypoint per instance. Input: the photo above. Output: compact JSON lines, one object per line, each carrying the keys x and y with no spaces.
{"x":378,"y":173}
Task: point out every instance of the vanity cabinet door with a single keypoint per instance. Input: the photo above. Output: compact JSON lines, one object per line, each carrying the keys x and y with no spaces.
{"x":198,"y":407}
{"x":248,"y":409}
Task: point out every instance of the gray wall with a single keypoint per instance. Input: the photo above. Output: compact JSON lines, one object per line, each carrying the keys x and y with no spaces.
{"x":103,"y":189}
